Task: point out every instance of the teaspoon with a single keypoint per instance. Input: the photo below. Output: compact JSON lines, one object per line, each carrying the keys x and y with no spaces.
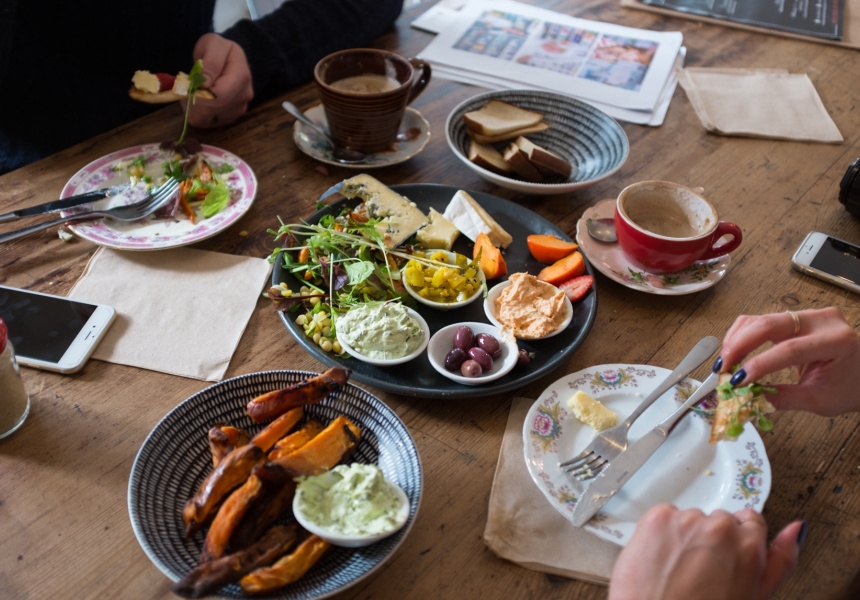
{"x":602,"y":229}
{"x":342,"y":155}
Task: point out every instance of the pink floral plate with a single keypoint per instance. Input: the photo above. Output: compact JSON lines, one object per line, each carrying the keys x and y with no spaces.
{"x":157,"y":232}
{"x":686,"y":471}
{"x":609,"y":259}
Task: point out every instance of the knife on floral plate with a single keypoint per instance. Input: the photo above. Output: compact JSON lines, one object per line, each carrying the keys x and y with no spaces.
{"x":65,"y":203}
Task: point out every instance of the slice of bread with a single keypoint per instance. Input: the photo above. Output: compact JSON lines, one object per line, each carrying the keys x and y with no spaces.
{"x":497,"y":117}
{"x":489,"y":158}
{"x":543,"y":159}
{"x":503,"y":137}
{"x":520,"y":163}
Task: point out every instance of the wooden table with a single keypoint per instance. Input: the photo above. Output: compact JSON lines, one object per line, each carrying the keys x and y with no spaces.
{"x":64,"y":474}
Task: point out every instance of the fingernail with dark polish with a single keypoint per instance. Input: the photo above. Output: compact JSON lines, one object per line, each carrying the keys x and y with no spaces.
{"x":801,"y":535}
{"x":738,"y":377}
{"x":718,"y":364}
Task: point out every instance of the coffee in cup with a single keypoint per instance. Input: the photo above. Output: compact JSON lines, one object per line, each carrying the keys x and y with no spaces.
{"x":664,"y":227}
{"x":364,"y":93}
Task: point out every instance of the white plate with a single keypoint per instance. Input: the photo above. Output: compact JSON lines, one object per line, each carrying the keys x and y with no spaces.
{"x":686,"y":471}
{"x":490,"y":310}
{"x":390,"y":362}
{"x":413,"y":136}
{"x":153,"y":232}
{"x":611,"y":261}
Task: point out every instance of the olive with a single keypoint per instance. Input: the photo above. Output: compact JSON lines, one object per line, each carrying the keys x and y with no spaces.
{"x":523,"y":358}
{"x":454,"y":359}
{"x":464,"y":338}
{"x":489,"y":344}
{"x":480,"y":356}
{"x":470,"y":368}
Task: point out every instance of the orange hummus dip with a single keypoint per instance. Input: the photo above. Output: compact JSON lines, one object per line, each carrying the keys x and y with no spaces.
{"x":529,"y":307}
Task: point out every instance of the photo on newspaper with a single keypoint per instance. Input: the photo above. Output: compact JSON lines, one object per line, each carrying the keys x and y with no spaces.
{"x":508,"y":42}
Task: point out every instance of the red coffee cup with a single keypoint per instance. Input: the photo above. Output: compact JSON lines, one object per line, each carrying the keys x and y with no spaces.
{"x":664,"y":227}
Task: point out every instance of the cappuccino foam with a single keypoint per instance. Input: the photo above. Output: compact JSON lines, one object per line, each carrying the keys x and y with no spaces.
{"x":369,"y":83}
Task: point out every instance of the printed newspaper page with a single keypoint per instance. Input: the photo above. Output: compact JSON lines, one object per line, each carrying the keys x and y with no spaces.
{"x":593,"y":61}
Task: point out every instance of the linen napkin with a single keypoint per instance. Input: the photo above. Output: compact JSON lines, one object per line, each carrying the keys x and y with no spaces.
{"x":523,"y":528}
{"x":766,"y":103}
{"x":180,"y":311}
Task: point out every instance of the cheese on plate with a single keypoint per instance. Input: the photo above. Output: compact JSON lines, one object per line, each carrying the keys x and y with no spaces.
{"x":398,"y":217}
{"x":591,"y":412}
{"x":471,"y":219}
{"x":439,"y":233}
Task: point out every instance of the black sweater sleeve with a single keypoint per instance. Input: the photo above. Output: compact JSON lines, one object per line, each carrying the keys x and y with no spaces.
{"x":284,"y":46}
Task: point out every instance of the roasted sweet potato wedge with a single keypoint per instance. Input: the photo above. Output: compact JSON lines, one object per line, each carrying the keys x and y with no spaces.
{"x":215,"y":574}
{"x":223,"y":439}
{"x":272,"y":404}
{"x":228,"y":517}
{"x":296,"y":440}
{"x":278,"y":428}
{"x":273,"y":501}
{"x":286,"y":570}
{"x":230,"y":473}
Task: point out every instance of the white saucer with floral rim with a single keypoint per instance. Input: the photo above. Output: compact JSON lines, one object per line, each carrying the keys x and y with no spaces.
{"x":413,"y":136}
{"x":609,"y":259}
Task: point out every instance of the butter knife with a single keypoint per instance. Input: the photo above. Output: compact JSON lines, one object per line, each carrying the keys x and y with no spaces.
{"x":70,"y":202}
{"x":625,"y":465}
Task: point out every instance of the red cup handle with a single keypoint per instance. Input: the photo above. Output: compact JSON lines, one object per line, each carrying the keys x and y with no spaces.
{"x":420,"y":79}
{"x":723,"y":228}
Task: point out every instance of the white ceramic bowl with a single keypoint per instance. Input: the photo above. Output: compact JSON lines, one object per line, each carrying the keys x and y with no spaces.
{"x":490,"y":309}
{"x":387,"y":362}
{"x":451,"y":259}
{"x":443,"y":341}
{"x":354,"y":541}
{"x":590,"y":140}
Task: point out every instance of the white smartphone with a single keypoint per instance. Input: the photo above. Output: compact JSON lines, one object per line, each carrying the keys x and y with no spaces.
{"x":831,"y":259}
{"x":52,"y":332}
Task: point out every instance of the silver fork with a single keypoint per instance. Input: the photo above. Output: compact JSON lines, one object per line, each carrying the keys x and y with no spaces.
{"x":611,"y":442}
{"x":129,"y":212}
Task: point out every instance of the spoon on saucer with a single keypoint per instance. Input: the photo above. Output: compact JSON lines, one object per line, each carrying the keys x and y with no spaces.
{"x":603,"y":229}
{"x":342,"y":155}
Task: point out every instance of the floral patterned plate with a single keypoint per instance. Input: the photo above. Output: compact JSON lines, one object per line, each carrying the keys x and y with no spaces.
{"x":413,"y":136}
{"x":611,"y":261}
{"x":157,"y":232}
{"x":686,"y":471}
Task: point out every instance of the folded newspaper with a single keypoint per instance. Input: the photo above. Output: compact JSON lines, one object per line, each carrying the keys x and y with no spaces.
{"x":503,"y":44}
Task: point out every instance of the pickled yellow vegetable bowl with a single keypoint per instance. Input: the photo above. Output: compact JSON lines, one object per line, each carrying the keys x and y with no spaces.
{"x":451,"y":281}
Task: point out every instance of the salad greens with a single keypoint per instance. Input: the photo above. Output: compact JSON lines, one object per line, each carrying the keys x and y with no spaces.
{"x":750,"y":398}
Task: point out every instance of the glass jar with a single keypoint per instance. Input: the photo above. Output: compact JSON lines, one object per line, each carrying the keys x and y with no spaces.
{"x":14,"y":401}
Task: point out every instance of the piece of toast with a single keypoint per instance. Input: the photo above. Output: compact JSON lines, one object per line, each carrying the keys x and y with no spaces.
{"x":489,"y":158}
{"x":520,"y":163}
{"x":503,"y":137}
{"x":543,"y":159}
{"x":497,"y":117}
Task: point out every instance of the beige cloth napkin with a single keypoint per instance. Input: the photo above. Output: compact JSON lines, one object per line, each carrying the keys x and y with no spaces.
{"x":767,"y":103}
{"x":523,"y":528}
{"x":179,"y":311}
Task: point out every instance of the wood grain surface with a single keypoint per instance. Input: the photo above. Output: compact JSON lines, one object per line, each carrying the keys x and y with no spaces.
{"x":64,"y":474}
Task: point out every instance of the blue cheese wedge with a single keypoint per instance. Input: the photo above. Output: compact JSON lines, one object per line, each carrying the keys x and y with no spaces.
{"x":471,"y":219}
{"x":591,"y":412}
{"x":399,"y":218}
{"x":438,"y":233}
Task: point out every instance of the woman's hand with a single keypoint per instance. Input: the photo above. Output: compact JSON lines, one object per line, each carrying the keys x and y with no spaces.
{"x":678,"y":555}
{"x":228,"y":76}
{"x":825,"y":351}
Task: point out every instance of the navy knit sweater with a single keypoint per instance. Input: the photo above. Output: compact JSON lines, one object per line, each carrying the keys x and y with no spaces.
{"x":66,"y":65}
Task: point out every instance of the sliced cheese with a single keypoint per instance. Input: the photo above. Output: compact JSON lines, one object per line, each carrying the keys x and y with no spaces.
{"x":438,"y":233}
{"x":471,"y":219}
{"x":591,"y":412}
{"x":398,"y":218}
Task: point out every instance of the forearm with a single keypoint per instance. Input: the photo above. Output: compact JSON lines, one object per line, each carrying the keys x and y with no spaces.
{"x":283,"y":47}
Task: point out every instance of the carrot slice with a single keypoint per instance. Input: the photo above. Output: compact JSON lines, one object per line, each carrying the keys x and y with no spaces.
{"x":491,"y":261}
{"x":568,"y":267}
{"x":548,"y":248}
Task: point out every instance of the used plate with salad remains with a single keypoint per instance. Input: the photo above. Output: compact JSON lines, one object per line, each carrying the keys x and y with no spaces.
{"x":420,"y":378}
{"x":166,"y":228}
{"x":685,"y":471}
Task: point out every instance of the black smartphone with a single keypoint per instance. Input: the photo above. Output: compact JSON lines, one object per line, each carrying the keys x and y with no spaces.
{"x":831,"y":259}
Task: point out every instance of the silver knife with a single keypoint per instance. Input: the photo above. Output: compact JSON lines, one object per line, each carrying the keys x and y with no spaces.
{"x":625,"y":465}
{"x":70,"y":202}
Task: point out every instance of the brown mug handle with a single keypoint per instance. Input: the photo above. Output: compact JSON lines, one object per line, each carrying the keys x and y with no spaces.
{"x":420,"y":81}
{"x":723,"y":228}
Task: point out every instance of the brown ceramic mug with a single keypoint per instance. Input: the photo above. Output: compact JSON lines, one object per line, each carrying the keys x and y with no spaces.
{"x":364,"y":93}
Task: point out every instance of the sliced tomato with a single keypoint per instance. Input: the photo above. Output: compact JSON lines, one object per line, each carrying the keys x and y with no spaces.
{"x":575,"y":288}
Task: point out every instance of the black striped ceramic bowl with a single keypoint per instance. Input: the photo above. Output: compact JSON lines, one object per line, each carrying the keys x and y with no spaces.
{"x":175,"y":458}
{"x":592,"y":141}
